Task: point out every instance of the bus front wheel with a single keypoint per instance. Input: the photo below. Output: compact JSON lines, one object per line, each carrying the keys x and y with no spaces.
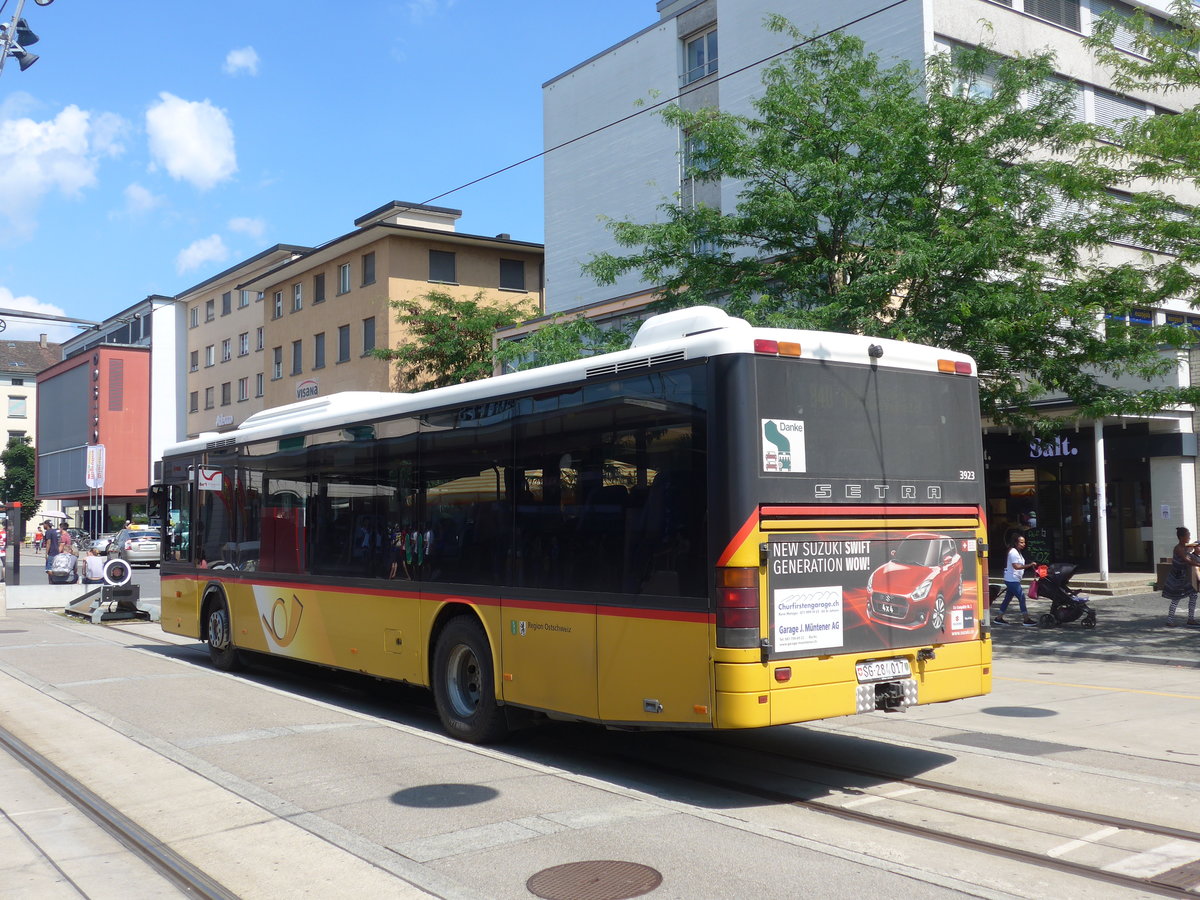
{"x":221,"y":651}
{"x":464,"y":686}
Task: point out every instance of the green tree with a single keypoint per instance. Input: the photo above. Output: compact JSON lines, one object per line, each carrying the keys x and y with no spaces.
{"x":449,"y":340}
{"x":17,"y":484}
{"x":954,"y":207}
{"x":561,"y":340}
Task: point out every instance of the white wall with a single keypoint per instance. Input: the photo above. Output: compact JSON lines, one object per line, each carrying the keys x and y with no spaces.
{"x":168,"y":379}
{"x":628,"y":171}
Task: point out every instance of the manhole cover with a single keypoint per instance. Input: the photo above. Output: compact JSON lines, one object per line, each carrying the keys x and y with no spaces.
{"x":598,"y":879}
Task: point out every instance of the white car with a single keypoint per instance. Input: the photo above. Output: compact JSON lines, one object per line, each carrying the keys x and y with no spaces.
{"x":102,"y":542}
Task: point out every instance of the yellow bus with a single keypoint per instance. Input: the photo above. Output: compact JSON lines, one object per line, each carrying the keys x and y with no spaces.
{"x":721,"y":527}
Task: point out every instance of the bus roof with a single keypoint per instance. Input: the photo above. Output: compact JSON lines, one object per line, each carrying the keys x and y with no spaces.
{"x":694,"y":333}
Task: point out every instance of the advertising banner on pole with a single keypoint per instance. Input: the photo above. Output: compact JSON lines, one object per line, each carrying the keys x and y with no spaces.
{"x":95,"y":466}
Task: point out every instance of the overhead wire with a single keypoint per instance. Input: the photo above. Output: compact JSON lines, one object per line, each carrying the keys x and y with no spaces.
{"x":662,"y":103}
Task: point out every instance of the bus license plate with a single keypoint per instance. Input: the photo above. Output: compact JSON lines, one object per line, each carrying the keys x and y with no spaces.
{"x":882,"y":670}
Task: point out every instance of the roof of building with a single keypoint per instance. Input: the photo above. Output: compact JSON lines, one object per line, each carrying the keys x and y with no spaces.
{"x":28,"y":357}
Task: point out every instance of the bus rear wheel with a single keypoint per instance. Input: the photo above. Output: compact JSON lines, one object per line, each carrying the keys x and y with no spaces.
{"x":464,"y":686}
{"x":221,"y":651}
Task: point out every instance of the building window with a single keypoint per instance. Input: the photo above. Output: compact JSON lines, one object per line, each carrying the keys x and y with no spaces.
{"x":1060,"y":12}
{"x":297,"y":357}
{"x":194,"y":361}
{"x":194,"y":401}
{"x":441,"y":267}
{"x":699,"y":56}
{"x":258,"y":338}
{"x":18,"y":382}
{"x":344,"y":278}
{"x":1111,"y":108}
{"x":243,"y":389}
{"x":210,"y":310}
{"x":16,"y":407}
{"x":343,"y":343}
{"x":258,"y":384}
{"x":226,"y":350}
{"x":194,"y":317}
{"x":512,"y":275}
{"x":226,"y":393}
{"x":368,"y":268}
{"x":319,"y":288}
{"x":244,"y":344}
{"x":208,"y":398}
{"x":227,"y":303}
{"x":278,"y":308}
{"x":297,"y":297}
{"x":276,"y":363}
{"x":210,"y":355}
{"x":243,"y":299}
{"x":368,"y":335}
{"x":319,"y":350}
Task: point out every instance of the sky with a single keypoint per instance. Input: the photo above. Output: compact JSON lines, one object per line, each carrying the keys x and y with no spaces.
{"x":156,"y":143}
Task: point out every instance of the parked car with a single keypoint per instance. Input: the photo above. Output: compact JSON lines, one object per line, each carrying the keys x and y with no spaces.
{"x":137,"y":545}
{"x":912,"y":589}
{"x":102,"y":542}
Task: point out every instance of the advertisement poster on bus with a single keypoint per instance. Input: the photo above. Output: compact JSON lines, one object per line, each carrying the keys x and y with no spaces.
{"x":866,"y":591}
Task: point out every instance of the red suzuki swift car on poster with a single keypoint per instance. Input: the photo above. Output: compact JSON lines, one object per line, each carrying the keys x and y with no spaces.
{"x":913,"y":588}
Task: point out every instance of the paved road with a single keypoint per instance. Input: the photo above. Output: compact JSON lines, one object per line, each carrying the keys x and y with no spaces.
{"x":286,"y":783}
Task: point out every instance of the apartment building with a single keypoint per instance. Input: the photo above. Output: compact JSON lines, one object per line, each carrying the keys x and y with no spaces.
{"x":325,"y":310}
{"x":224,"y":361}
{"x":20,"y":364}
{"x":1113,"y":499}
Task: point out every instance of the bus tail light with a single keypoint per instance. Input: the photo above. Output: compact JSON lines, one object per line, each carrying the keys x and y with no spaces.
{"x":737,"y":607}
{"x":954,"y":367}
{"x":781,"y":348}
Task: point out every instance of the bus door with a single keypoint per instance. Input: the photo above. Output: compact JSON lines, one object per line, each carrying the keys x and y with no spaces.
{"x":548,"y":626}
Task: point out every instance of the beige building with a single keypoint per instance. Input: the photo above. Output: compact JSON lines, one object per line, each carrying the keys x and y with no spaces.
{"x":20,"y":363}
{"x":224,"y":358}
{"x":325,"y":311}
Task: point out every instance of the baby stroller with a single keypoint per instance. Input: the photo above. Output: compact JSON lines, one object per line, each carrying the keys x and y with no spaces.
{"x":1053,"y":584}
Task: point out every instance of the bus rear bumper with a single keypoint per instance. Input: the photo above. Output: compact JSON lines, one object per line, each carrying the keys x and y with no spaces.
{"x":748,"y":695}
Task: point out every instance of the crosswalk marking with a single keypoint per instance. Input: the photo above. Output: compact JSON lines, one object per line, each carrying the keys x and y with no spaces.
{"x":1156,"y":861}
{"x":1063,"y":849}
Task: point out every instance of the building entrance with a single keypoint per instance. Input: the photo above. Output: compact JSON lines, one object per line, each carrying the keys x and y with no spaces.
{"x":1046,"y":490}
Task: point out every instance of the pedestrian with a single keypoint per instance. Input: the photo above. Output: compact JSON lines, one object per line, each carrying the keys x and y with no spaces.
{"x":93,"y":567}
{"x":64,"y":540}
{"x":37,"y":540}
{"x":51,"y":543}
{"x":1012,"y":581}
{"x":1181,"y":579}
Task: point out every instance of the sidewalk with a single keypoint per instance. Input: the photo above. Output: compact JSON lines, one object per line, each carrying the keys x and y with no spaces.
{"x":1132,"y":628}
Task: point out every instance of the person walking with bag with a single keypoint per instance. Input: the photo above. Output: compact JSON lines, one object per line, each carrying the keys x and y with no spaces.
{"x":1013,"y":569}
{"x":1181,"y":580}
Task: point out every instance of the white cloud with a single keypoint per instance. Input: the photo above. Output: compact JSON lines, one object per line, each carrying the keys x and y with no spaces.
{"x":244,"y":59}
{"x":199,"y":253}
{"x":420,"y":10}
{"x":61,"y":154}
{"x":193,"y":141}
{"x":140,"y":200}
{"x":245,"y":225}
{"x":18,"y":329}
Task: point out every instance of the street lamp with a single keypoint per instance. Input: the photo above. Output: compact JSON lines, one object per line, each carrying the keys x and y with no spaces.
{"x":16,"y":35}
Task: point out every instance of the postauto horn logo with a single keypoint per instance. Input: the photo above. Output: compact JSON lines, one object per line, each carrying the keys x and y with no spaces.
{"x":285,"y":620}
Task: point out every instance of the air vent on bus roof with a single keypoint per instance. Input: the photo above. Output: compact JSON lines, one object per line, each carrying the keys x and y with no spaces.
{"x":217,"y":445}
{"x":644,"y":362}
